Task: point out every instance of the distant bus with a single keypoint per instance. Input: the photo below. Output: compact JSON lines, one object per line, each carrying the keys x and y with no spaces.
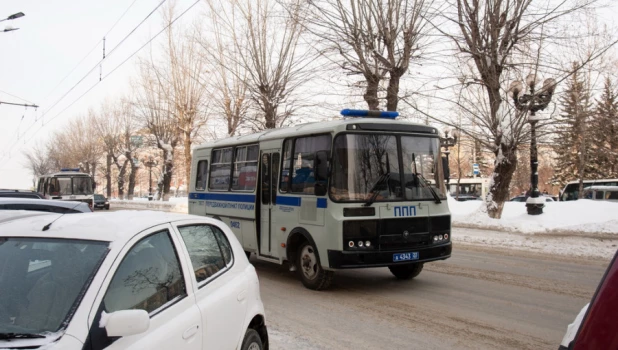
{"x":469,"y":187}
{"x":570,"y":192}
{"x":351,"y":193}
{"x":67,"y":185}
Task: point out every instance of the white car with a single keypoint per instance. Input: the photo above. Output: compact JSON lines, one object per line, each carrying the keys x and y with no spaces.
{"x":126,"y":280}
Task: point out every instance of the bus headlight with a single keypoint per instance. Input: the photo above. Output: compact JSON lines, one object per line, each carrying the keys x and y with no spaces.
{"x":368,"y":244}
{"x":351,"y":244}
{"x":360,"y":244}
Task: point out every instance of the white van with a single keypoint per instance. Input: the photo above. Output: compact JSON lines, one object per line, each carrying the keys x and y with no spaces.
{"x":602,"y":193}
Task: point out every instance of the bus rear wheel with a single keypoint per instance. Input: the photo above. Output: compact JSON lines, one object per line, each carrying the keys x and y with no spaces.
{"x":310,"y":270}
{"x":407,"y":271}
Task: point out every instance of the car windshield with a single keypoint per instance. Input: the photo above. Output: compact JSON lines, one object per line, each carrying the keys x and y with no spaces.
{"x":99,"y":197}
{"x":368,"y":166}
{"x":41,"y":281}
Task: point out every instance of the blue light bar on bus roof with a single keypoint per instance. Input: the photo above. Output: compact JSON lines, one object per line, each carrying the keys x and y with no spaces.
{"x":367,"y":113}
{"x":69,"y":169}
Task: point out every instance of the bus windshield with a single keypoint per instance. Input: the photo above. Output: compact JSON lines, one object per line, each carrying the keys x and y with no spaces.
{"x":65,"y":186}
{"x":371,"y":166}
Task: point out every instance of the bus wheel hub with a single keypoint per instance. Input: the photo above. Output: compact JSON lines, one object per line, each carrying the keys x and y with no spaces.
{"x":308,"y":262}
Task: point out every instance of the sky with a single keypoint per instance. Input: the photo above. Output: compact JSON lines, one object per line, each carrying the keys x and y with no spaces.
{"x":53,"y":38}
{"x":59,"y":37}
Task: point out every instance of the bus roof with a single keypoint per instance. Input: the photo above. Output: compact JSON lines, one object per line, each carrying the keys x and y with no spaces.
{"x":66,"y":173}
{"x":592,"y":181}
{"x":603,"y":188}
{"x":362,"y":124}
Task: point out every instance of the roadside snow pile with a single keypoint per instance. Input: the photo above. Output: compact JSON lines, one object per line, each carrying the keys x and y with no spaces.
{"x":581,"y":216}
{"x":175,"y":205}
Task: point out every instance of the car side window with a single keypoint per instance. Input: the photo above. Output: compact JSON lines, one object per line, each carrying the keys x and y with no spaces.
{"x":148,"y":277}
{"x":208,"y":248}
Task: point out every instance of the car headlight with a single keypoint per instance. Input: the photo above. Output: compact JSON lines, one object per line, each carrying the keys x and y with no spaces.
{"x":106,"y":202}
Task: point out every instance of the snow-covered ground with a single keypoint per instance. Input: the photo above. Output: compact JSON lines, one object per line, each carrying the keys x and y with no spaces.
{"x":581,"y":217}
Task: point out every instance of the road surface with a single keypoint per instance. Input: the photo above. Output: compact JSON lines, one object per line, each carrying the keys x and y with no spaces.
{"x":478,"y":299}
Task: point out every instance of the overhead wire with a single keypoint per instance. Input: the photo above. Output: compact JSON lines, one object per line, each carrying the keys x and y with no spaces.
{"x":91,"y":70}
{"x":115,"y":68}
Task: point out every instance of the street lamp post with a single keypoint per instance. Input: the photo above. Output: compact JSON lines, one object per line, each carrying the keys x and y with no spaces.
{"x":533,"y":102}
{"x":10,"y":18}
{"x":448,"y":142}
{"x":150,"y":163}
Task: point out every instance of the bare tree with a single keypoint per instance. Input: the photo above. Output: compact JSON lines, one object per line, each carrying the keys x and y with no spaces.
{"x":152,"y":108}
{"x":76,"y":146}
{"x":108,"y":131}
{"x":228,"y":77}
{"x":274,"y":64}
{"x":501,"y":39}
{"x":38,"y":162}
{"x":180,"y":77}
{"x":375,"y":39}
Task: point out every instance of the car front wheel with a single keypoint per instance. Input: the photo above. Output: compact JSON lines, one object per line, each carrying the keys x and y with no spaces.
{"x":407,"y":271}
{"x":252,"y":340}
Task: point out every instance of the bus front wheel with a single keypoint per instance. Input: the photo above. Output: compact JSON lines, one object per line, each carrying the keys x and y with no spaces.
{"x":407,"y":271}
{"x":310,"y":270}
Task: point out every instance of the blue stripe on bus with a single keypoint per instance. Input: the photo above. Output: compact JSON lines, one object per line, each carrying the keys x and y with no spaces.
{"x":295,"y":201}
{"x":250,"y":198}
{"x":242,"y":198}
{"x":322,"y":202}
{"x":291,"y":201}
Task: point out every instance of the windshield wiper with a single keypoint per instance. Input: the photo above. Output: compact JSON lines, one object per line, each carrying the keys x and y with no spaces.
{"x":9,"y":336}
{"x":431,"y":189}
{"x":427,"y":184}
{"x":374,"y":193}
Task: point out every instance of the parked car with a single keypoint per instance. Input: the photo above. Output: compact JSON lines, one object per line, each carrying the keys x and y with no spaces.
{"x":47,"y":205}
{"x":101,"y":202}
{"x":127,"y":280}
{"x":595,"y":325}
{"x":20,"y":194}
{"x":524,"y":198}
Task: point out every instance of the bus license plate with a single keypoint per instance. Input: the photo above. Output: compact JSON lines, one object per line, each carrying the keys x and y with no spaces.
{"x":405,"y":256}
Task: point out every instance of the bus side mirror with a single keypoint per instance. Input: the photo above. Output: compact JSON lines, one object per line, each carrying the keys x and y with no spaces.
{"x":445,"y":168}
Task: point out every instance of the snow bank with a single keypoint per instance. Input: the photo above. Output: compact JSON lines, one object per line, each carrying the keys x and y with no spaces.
{"x":574,"y":217}
{"x":175,"y":205}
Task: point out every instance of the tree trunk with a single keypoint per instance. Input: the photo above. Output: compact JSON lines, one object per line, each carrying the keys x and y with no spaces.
{"x":168,"y":171}
{"x":187,"y":145}
{"x":371,"y":93}
{"x":392,"y":92}
{"x":501,"y":178}
{"x":132,"y":175}
{"x":108,"y":175}
{"x":122,"y":171}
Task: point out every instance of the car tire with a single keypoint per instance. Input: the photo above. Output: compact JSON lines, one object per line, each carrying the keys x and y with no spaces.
{"x":252,"y":340}
{"x":310,"y":270}
{"x":407,"y":271}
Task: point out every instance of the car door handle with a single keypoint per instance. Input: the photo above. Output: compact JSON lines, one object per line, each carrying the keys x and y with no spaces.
{"x":242,"y":295}
{"x":190,"y":332}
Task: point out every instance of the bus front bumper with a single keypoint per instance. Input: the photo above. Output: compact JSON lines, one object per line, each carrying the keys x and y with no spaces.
{"x":354,"y":259}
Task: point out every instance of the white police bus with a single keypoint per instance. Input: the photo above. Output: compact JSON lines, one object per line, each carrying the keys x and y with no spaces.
{"x":67,"y":185}
{"x":323,"y":196}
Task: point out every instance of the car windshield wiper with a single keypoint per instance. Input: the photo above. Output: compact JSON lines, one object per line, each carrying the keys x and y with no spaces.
{"x":374,"y":193}
{"x":9,"y":336}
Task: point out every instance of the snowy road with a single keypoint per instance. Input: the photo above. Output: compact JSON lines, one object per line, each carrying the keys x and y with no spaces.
{"x":478,"y":299}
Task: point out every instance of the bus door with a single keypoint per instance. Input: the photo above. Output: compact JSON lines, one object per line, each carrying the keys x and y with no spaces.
{"x":269,"y":168}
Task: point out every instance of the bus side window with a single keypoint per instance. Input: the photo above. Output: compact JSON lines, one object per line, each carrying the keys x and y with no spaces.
{"x":220,"y":169}
{"x":201,"y":175}
{"x":285,"y":169}
{"x":305,"y":149}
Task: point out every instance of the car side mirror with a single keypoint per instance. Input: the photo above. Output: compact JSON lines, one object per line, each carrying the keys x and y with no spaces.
{"x":125,"y":322}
